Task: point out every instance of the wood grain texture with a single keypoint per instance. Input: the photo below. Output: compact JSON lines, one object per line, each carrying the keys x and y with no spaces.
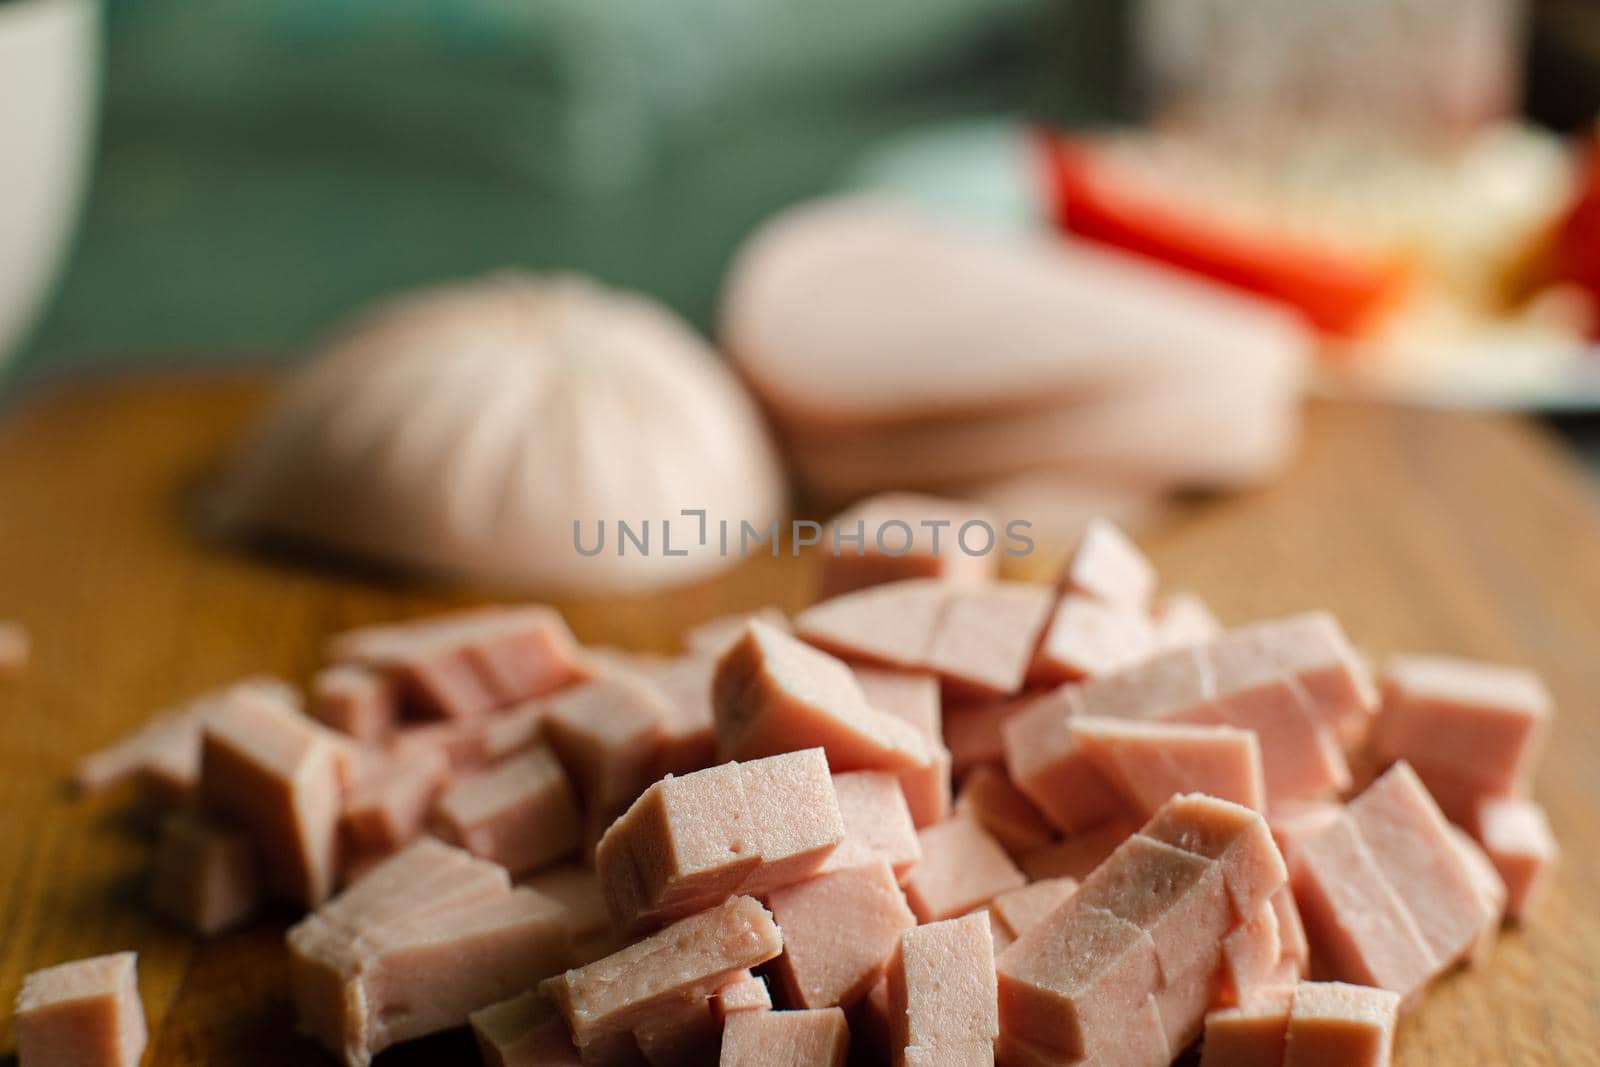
{"x":1423,"y":531}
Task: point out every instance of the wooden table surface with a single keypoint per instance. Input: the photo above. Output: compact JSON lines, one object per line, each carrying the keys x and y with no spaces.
{"x":1468,"y":534}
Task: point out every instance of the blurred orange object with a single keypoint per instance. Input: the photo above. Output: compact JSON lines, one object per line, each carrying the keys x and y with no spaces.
{"x":1338,"y":290}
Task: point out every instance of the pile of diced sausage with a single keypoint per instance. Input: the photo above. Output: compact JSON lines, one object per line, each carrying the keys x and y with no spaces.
{"x":935,"y":820}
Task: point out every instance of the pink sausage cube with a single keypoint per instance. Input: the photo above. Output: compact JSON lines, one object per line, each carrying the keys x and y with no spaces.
{"x":1046,"y":764}
{"x":1109,"y":567}
{"x":523,"y":652}
{"x":892,"y":625}
{"x":986,"y":637}
{"x":1475,"y":721}
{"x":773,"y":694}
{"x":1410,"y":840}
{"x":1353,"y":916}
{"x":1080,"y":853}
{"x":391,"y":800}
{"x":683,"y":1033}
{"x":1300,"y":751}
{"x":962,"y":868}
{"x":838,"y":931}
{"x":690,"y":842}
{"x":1251,"y":954}
{"x":513,"y":731}
{"x":1151,"y":762}
{"x":1019,"y":910}
{"x":1001,"y":808}
{"x":81,"y":1014}
{"x":577,"y":890}
{"x":712,"y":637}
{"x":1177,"y":684}
{"x":1071,"y":983}
{"x":1182,"y":620}
{"x":1250,"y":1035}
{"x":462,"y":742}
{"x":356,"y":701}
{"x":1312,"y":649}
{"x":1086,"y":638}
{"x":1236,"y":837}
{"x":1176,"y":897}
{"x":520,"y":813}
{"x":608,"y":734}
{"x":942,"y":990}
{"x":1517,"y":839}
{"x":911,"y":696}
{"x":877,"y":823}
{"x":690,"y":730}
{"x":524,"y":1031}
{"x":692,"y":957}
{"x":867,"y":545}
{"x":428,"y":973}
{"x":205,"y":875}
{"x":745,"y":992}
{"x":1295,"y":957}
{"x":277,"y":774}
{"x":816,"y":1038}
{"x":1337,"y":1025}
{"x":973,"y":732}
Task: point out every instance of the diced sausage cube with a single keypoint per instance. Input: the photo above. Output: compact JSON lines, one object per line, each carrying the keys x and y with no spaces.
{"x":1086,"y":638}
{"x":1080,"y":853}
{"x":986,"y":637}
{"x":81,"y":1013}
{"x":973,"y":731}
{"x":1071,"y":983}
{"x":1234,"y":836}
{"x":462,"y":742}
{"x":1337,"y":1025}
{"x":1182,"y":620}
{"x":911,"y":696}
{"x":1250,"y":1035}
{"x":892,"y":625}
{"x":608,"y":734}
{"x":1177,"y":897}
{"x":1478,"y":722}
{"x":744,"y":992}
{"x":774,"y":694}
{"x":688,"y":843}
{"x":683,"y":1033}
{"x":356,"y":701}
{"x":962,"y":868}
{"x":1251,"y":956}
{"x":839,"y":930}
{"x":525,"y":1031}
{"x":895,"y":536}
{"x":587,"y":921}
{"x":1001,"y":808}
{"x":942,"y":992}
{"x":277,"y":774}
{"x":817,"y":1038}
{"x":392,"y":798}
{"x":1353,"y":916}
{"x":1516,"y":837}
{"x":1045,"y":762}
{"x":1109,"y":567}
{"x":877,"y":823}
{"x":1312,"y":649}
{"x":693,"y":956}
{"x":205,"y":875}
{"x":1411,"y":843}
{"x":1151,"y":762}
{"x":521,"y":813}
{"x":1019,"y":910}
{"x":712,"y":637}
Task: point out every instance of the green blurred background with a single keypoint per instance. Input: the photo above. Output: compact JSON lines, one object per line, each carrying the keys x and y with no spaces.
{"x":264,"y":167}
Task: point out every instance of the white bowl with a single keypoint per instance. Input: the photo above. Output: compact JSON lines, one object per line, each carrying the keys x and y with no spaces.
{"x":49,"y":87}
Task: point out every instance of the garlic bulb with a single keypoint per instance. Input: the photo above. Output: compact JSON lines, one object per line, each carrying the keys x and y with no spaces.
{"x":466,"y":429}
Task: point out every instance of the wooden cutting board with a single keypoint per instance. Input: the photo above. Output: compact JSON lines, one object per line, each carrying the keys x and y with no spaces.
{"x":1468,"y":534}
